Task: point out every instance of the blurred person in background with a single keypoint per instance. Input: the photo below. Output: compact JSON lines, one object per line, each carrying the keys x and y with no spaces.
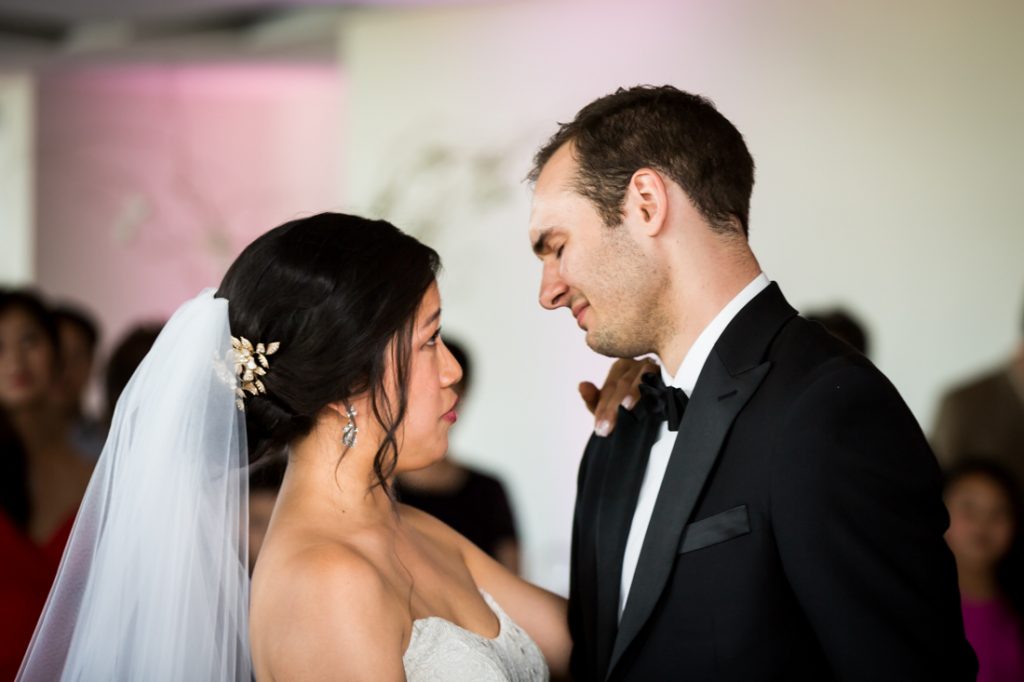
{"x":468,"y":500}
{"x":124,"y":360}
{"x":984,"y":534}
{"x":842,"y":324}
{"x":79,"y":340}
{"x":985,"y":417}
{"x":44,"y":475}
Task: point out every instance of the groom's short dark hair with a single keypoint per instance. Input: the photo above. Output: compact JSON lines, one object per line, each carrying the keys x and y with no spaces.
{"x":675,"y":132}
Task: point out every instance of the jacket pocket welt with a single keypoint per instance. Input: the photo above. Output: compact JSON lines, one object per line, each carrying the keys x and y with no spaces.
{"x":715,"y":529}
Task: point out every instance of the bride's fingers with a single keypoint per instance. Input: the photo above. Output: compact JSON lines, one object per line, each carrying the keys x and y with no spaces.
{"x":632,"y":396}
{"x":590,"y":394}
{"x":621,"y":387}
{"x":612,"y":395}
{"x":625,"y":391}
{"x":638,"y":371}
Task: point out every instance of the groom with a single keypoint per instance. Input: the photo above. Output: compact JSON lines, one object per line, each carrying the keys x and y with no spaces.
{"x":770,"y":509}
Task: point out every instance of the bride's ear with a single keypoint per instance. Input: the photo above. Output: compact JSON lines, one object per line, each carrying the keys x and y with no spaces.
{"x":336,"y":410}
{"x":340,"y":409}
{"x":352,"y":411}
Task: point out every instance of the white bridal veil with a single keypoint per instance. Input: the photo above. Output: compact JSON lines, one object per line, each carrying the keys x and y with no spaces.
{"x":154,"y":583}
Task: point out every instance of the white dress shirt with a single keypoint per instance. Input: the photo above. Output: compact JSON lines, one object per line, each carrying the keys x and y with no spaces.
{"x":661,"y":451}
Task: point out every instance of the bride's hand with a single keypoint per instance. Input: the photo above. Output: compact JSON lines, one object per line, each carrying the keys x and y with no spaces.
{"x":621,"y":387}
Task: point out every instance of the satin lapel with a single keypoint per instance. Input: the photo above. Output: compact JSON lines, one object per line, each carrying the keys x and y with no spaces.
{"x":630,"y":449}
{"x":719,"y":397}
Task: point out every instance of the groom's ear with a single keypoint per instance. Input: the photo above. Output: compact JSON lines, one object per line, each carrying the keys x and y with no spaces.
{"x":646,"y":201}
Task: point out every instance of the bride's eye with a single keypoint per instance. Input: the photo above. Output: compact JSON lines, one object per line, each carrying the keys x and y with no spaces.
{"x":434,"y":337}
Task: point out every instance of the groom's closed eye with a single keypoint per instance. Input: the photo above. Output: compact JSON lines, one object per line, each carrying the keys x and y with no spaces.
{"x":548,"y":241}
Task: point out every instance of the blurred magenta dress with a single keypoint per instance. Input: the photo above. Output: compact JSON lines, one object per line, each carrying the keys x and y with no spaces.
{"x":994,"y":630}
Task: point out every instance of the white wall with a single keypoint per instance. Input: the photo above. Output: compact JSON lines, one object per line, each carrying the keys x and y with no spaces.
{"x":888,"y":143}
{"x":16,"y":178}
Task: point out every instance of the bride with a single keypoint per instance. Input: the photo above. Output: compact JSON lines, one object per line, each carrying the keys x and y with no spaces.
{"x":323,"y":341}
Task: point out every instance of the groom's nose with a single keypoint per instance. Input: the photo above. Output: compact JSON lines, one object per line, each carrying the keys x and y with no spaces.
{"x":553,"y":289}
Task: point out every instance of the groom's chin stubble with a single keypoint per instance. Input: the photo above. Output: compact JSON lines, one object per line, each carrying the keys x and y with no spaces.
{"x":613,"y":345}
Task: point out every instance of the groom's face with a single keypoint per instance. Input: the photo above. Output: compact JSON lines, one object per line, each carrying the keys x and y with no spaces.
{"x":599,"y":273}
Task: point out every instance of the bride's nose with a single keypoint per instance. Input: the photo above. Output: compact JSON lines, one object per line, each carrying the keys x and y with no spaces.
{"x":451,"y":370}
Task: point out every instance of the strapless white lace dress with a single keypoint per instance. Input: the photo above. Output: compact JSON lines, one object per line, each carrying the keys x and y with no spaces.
{"x":441,"y":651}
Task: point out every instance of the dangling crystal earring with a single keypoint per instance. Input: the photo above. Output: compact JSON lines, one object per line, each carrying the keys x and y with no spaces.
{"x":348,"y":435}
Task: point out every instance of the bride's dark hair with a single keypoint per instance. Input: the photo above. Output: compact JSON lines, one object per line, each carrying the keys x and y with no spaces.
{"x":334,"y":290}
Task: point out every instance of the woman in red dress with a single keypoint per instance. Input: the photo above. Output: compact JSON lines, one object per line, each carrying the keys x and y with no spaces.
{"x":42,"y":478}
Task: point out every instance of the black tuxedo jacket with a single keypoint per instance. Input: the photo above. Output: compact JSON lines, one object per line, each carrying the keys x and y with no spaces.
{"x":797,"y":534}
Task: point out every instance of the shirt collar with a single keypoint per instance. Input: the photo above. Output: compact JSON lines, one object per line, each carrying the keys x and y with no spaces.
{"x":693,"y":363}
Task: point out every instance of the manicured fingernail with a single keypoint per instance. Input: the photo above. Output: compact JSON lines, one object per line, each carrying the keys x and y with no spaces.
{"x":628,"y":402}
{"x":603,"y":428}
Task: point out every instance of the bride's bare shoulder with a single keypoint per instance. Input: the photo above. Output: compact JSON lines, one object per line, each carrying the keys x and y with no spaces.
{"x":323,"y":609}
{"x":431,"y":527}
{"x":330,"y":565}
{"x":310,"y":574}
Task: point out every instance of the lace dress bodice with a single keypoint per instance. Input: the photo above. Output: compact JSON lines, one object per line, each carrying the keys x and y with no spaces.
{"x":440,"y":650}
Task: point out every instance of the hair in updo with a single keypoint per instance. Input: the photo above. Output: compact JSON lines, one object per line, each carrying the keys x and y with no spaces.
{"x":334,"y":290}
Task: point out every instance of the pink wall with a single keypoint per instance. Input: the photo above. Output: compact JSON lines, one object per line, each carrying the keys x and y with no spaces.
{"x":152,"y":178}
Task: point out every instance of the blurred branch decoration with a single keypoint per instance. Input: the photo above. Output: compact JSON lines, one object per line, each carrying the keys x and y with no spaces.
{"x":143,"y":189}
{"x":442,"y":186}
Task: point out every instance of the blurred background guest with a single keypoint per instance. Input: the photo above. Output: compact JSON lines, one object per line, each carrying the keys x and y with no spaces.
{"x":79,"y":340}
{"x":124,"y":360}
{"x":985,"y":417}
{"x":468,"y":500}
{"x":44,"y":475}
{"x":844,"y":325}
{"x":984,"y":535}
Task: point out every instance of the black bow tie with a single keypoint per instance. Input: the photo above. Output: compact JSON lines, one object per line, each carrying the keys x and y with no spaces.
{"x":666,"y":402}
